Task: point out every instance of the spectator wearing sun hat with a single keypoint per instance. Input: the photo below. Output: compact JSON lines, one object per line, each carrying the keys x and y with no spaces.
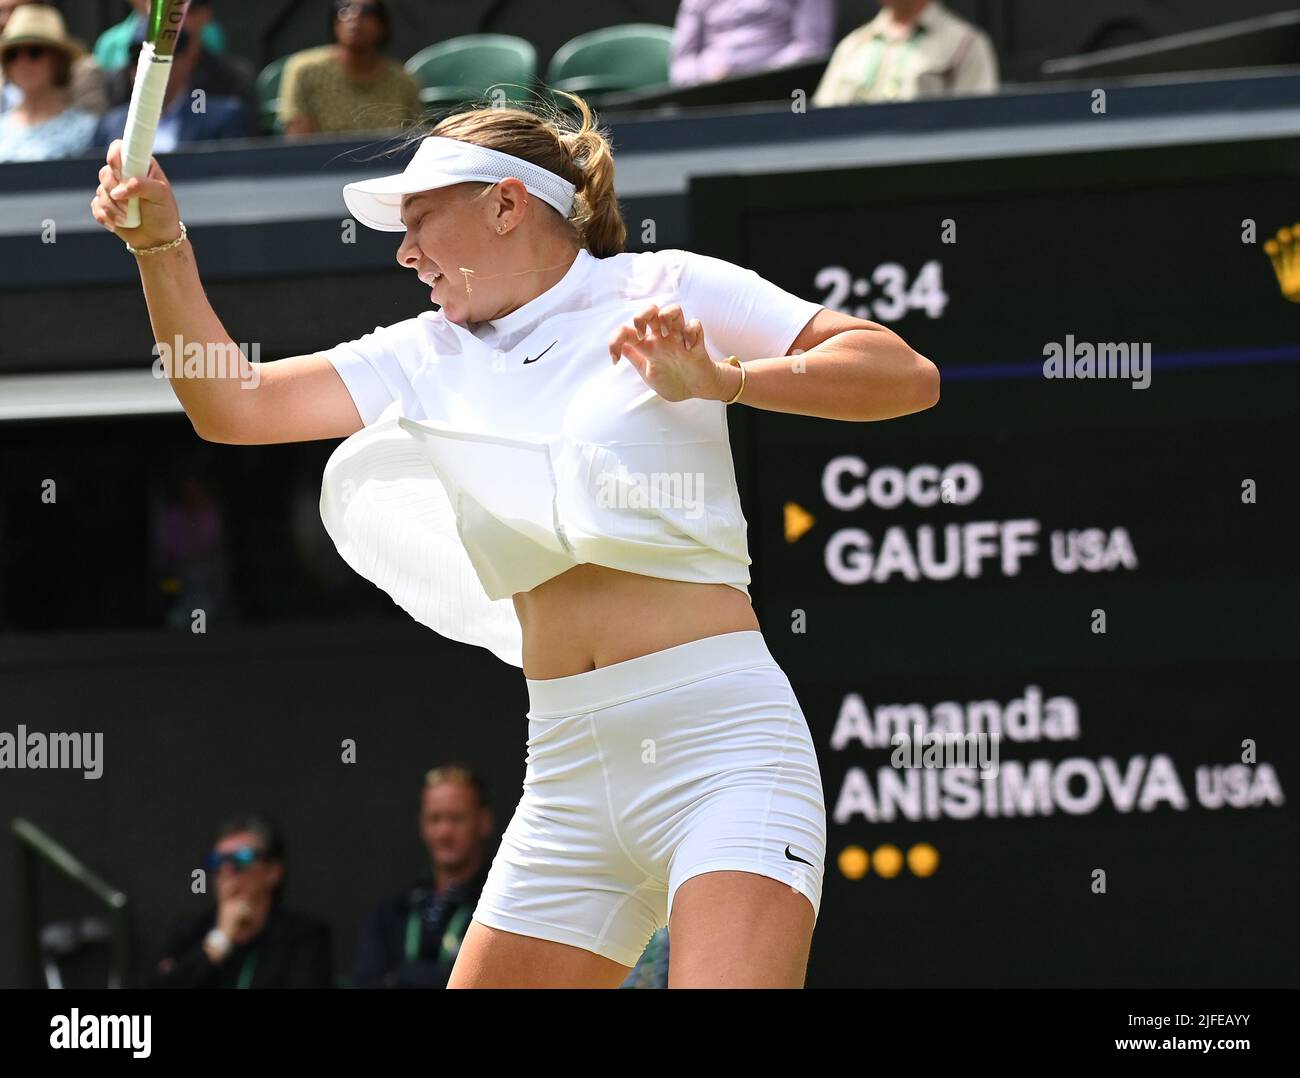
{"x":36,"y":55}
{"x":87,"y":90}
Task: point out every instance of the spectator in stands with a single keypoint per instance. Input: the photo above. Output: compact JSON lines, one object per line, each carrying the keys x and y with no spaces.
{"x":350,"y":85}
{"x":217,"y":74}
{"x":913,"y":48}
{"x":36,"y":56}
{"x":187,"y":115}
{"x":713,"y":39}
{"x":250,"y":940}
{"x":411,"y":939}
{"x":87,"y":87}
{"x":114,"y":47}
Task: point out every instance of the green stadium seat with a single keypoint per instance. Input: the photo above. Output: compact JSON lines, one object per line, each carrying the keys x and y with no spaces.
{"x":614,"y":60}
{"x":469,"y":67}
{"x":268,"y":94}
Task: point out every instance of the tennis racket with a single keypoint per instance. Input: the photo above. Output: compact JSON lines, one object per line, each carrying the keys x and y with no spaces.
{"x":151,"y":73}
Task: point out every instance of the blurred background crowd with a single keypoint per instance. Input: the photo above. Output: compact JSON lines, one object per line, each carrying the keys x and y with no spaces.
{"x":65,"y":98}
{"x":252,"y":937}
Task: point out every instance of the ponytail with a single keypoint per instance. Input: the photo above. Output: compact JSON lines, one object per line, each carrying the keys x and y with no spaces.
{"x":595,"y":208}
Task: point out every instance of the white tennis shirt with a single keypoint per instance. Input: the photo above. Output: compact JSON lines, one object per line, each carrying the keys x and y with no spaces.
{"x":497,"y":457}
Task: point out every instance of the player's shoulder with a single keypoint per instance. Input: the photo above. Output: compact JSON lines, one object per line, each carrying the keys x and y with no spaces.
{"x":423,"y":328}
{"x":632,"y":275}
{"x":665,"y":275}
{"x":407,"y":337}
{"x":696,"y":272}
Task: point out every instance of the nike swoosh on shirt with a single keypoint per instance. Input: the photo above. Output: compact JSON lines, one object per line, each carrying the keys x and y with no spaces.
{"x":543,"y":352}
{"x":796,"y":857}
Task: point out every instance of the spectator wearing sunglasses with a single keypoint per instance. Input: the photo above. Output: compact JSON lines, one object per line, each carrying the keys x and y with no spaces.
{"x":411,"y":939}
{"x":36,"y":56}
{"x":249,"y":940}
{"x":86,"y":88}
{"x":349,"y":85}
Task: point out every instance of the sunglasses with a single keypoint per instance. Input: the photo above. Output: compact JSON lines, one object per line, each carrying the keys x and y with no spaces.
{"x":32,"y":52}
{"x":349,"y":11}
{"x":238,"y":859}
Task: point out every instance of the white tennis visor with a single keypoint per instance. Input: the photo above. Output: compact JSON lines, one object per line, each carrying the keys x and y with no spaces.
{"x":441,"y":162}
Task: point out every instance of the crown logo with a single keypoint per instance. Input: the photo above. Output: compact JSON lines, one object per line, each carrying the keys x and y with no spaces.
{"x":1284,"y":252}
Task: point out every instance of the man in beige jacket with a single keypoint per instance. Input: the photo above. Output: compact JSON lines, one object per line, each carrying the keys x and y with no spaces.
{"x":913,"y":48}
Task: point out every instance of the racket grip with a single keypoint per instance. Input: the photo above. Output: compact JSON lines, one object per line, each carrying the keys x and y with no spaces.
{"x":142,"y":115}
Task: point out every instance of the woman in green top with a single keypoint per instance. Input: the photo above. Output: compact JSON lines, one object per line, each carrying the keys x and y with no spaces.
{"x":350,"y":85}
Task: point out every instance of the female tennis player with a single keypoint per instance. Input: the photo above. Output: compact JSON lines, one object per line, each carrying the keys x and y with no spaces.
{"x":541,"y":465}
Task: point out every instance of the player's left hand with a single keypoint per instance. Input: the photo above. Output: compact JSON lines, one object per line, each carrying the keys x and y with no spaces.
{"x":668,"y":352}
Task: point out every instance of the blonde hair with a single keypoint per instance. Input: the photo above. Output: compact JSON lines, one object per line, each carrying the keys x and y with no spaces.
{"x":457,"y":773}
{"x":575,"y":148}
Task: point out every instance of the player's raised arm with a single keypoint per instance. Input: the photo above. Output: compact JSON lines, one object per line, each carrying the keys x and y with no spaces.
{"x":227,"y":397}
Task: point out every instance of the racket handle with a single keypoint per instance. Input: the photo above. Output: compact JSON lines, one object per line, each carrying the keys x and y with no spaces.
{"x":142,"y":116}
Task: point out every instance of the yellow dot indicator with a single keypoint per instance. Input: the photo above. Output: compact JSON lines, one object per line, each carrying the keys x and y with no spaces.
{"x":923,"y":859}
{"x":888,"y":861}
{"x":854,"y":862}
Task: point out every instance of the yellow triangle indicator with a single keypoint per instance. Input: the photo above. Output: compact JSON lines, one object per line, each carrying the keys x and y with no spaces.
{"x":797,"y":521}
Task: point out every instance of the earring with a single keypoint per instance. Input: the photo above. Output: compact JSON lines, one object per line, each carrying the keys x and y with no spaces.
{"x":500,"y":229}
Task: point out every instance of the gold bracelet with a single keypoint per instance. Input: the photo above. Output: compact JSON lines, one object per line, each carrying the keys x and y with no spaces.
{"x":161,"y":247}
{"x":736,"y":363}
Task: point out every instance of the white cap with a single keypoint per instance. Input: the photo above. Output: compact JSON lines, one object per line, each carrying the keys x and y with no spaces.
{"x":441,"y":162}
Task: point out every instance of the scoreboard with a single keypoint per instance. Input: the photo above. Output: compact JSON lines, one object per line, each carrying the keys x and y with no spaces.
{"x":1085,"y":553}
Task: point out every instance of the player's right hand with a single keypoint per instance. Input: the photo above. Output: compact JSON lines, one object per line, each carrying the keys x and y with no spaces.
{"x":159,"y":214}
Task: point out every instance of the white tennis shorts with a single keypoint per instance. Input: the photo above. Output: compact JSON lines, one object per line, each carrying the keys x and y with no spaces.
{"x":645,"y":773}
